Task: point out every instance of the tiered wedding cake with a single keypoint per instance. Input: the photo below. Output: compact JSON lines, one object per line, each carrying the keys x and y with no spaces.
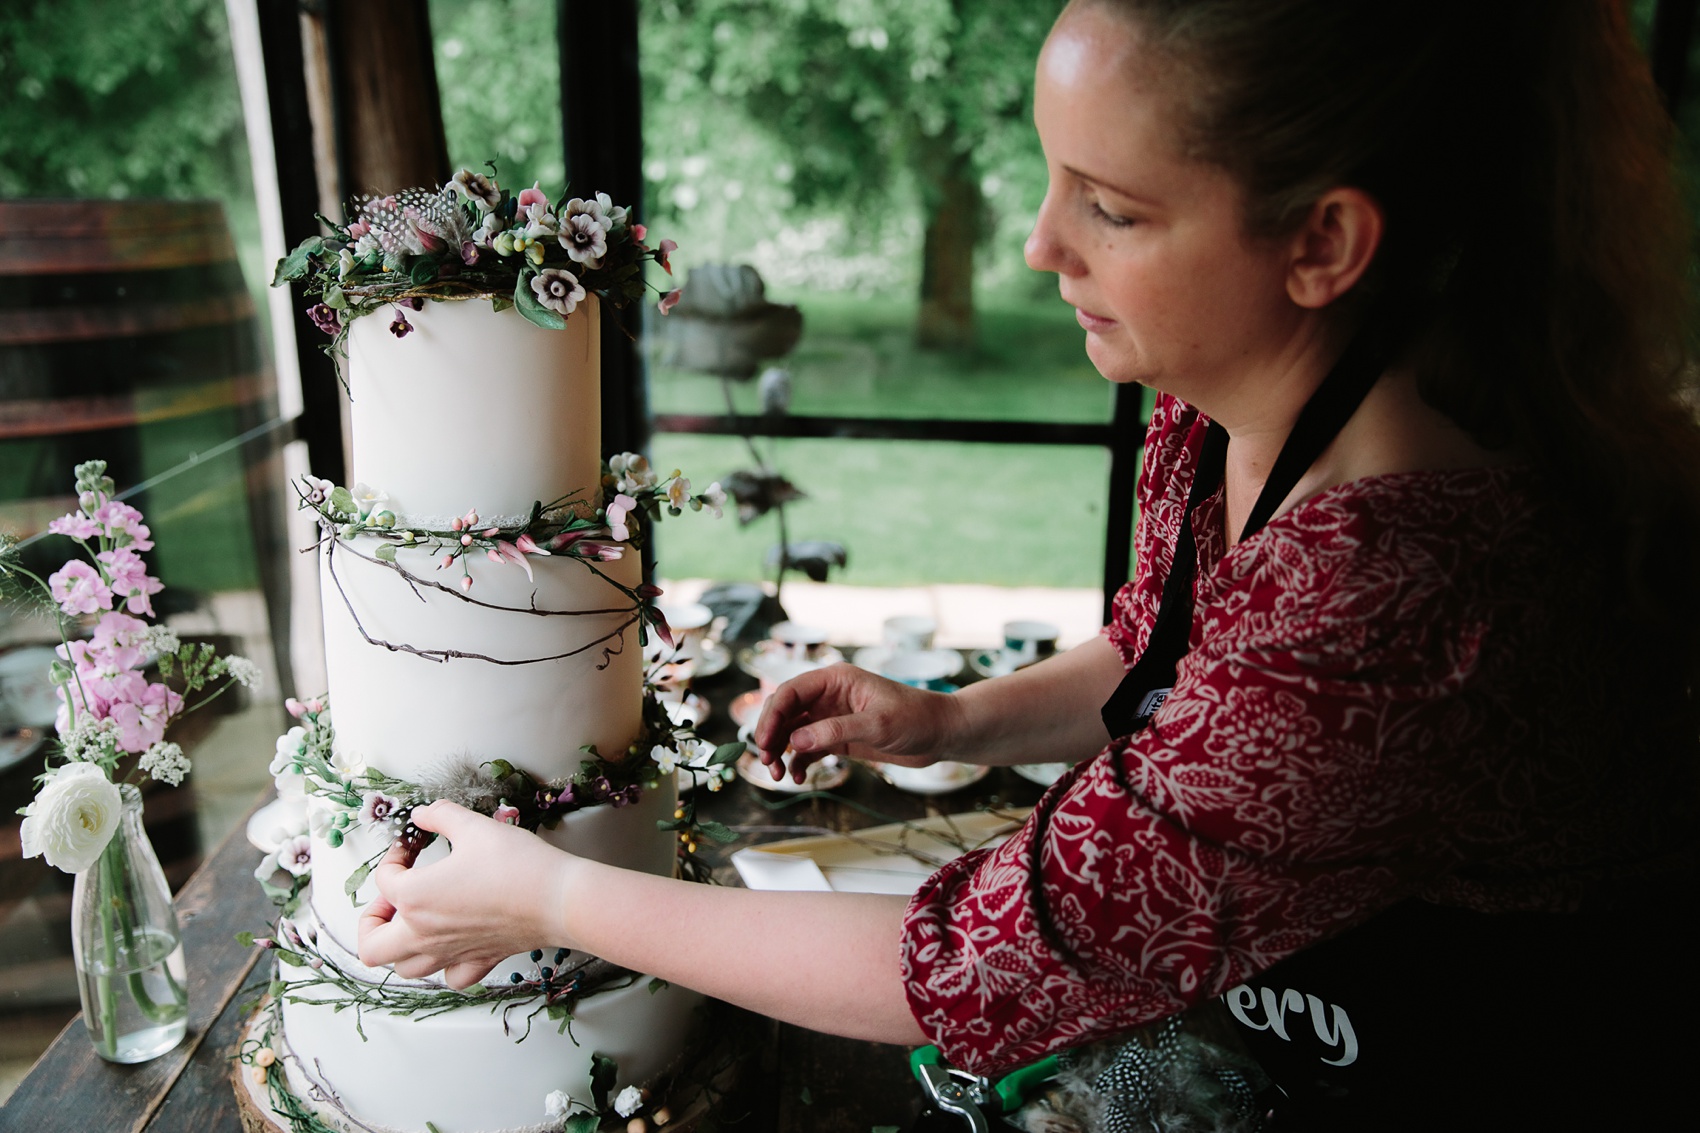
{"x":482,"y":644}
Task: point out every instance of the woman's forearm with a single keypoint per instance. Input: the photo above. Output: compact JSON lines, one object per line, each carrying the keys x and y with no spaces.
{"x":826,"y":961}
{"x":1047,"y":713}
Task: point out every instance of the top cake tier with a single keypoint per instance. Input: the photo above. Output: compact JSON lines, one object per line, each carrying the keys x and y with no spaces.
{"x":475,"y":410}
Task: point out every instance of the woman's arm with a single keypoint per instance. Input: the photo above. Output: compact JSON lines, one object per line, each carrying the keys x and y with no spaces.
{"x":1043,"y":714}
{"x":827,"y":961}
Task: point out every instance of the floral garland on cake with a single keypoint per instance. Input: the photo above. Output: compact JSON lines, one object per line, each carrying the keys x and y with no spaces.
{"x":473,"y":239}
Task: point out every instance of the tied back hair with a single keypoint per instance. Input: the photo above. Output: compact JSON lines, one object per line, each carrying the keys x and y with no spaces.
{"x":1535,"y":241}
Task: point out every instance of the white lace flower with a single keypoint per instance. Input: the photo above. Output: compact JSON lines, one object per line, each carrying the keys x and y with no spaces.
{"x":89,"y":738}
{"x":629,"y":1101}
{"x":73,"y":818}
{"x":161,"y":640}
{"x":243,"y":671}
{"x":165,"y":762}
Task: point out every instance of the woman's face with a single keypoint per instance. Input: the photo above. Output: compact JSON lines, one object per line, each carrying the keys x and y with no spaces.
{"x":1148,"y":246}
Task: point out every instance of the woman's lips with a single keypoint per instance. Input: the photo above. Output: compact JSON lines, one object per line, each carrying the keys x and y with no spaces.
{"x":1097,"y":324}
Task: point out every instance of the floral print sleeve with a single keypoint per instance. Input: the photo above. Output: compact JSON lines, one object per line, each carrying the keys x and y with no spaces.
{"x":1351,"y":726}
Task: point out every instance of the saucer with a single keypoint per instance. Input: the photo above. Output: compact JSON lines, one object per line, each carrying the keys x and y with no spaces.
{"x":947,"y":662}
{"x":764,"y":657}
{"x":19,"y":744}
{"x":939,"y":779}
{"x":686,"y":711}
{"x":829,"y":773}
{"x":745,"y":707}
{"x":712,"y":658}
{"x":1043,"y":774}
{"x":996,"y":662}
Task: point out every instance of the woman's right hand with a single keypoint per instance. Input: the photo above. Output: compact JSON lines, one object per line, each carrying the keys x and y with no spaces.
{"x":844,"y":710}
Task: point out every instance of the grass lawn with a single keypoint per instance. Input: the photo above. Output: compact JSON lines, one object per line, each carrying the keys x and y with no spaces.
{"x":911,"y":512}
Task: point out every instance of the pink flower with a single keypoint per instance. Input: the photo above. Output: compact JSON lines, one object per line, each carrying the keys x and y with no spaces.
{"x":669,"y":300}
{"x":662,"y":252}
{"x":532,"y":196}
{"x":639,"y":232}
{"x":143,"y":714}
{"x":446,"y":561}
{"x":466,"y":582}
{"x":78,"y":589}
{"x":76,"y":525}
{"x":506,"y":551}
{"x":527,"y":544}
{"x":119,"y":631}
{"x":470,"y":519}
{"x":507,"y":814}
{"x":617,"y":512}
{"x":130,"y":580}
{"x":557,"y":289}
{"x":358,"y":229}
{"x":123,"y":520}
{"x":602,"y":552}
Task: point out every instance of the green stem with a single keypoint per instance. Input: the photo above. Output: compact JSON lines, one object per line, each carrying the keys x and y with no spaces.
{"x":104,"y":997}
{"x":124,"y":910}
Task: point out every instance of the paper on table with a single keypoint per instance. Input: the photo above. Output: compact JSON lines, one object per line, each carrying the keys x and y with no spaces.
{"x":762,"y":870}
{"x":892,"y":859}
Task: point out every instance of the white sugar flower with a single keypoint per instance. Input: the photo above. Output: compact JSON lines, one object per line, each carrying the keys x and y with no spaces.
{"x":629,"y":1101}
{"x":679,"y":492}
{"x":70,"y":822}
{"x":243,"y":671}
{"x":315,"y":491}
{"x":296,"y":855}
{"x":559,"y":1104}
{"x":165,"y":762}
{"x":476,"y":187}
{"x":377,"y":808}
{"x":367,"y":497}
{"x":344,"y":263}
{"x":290,"y":747}
{"x":714,"y":498}
{"x":617,"y":215}
{"x":665,"y":758}
{"x":695,"y":753}
{"x":558,"y":289}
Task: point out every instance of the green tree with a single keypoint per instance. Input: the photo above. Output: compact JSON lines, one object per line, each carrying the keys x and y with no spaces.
{"x":111,"y":98}
{"x":867,"y":97}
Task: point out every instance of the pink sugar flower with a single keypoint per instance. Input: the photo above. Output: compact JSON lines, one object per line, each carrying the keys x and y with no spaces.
{"x":446,"y":561}
{"x":622,"y":506}
{"x":639,"y":232}
{"x":527,"y":544}
{"x":507,"y":552}
{"x":533,"y":195}
{"x":466,"y":582}
{"x":669,"y":300}
{"x":79,"y":589}
{"x":76,"y":525}
{"x":665,"y":249}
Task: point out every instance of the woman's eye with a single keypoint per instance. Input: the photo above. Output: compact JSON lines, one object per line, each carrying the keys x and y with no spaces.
{"x":1099,"y":213}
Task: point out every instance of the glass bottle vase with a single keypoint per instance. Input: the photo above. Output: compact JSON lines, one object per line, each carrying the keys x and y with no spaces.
{"x":129,"y":953}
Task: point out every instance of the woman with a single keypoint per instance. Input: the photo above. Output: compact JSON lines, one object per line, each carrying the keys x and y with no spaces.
{"x":1427,"y":633}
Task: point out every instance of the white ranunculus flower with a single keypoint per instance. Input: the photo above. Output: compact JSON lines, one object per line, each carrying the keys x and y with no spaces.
{"x":73,"y":818}
{"x":557,"y":1105}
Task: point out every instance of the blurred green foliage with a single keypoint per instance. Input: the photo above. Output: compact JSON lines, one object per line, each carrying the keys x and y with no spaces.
{"x":114,"y":98}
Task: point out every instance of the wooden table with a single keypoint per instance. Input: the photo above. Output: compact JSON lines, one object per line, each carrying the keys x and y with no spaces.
{"x":808,"y":1081}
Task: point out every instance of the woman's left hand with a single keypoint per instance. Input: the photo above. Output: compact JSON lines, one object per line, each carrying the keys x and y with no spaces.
{"x":498,"y":893}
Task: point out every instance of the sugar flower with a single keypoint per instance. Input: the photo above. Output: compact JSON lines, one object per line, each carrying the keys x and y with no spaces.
{"x":533,"y":196}
{"x":476,"y":187}
{"x":507,"y":814}
{"x":558,"y":289}
{"x":629,"y":1101}
{"x":679,"y":491}
{"x":714,"y":498}
{"x":291,"y":746}
{"x":366,"y":497}
{"x":165,"y":762}
{"x":622,"y":506}
{"x":665,"y":758}
{"x":508,"y":552}
{"x":296,"y":855}
{"x":669,"y":300}
{"x":617,"y":215}
{"x":79,"y":589}
{"x":559,"y":1104}
{"x":585,"y":238}
{"x":70,"y":822}
{"x":377,"y":808}
{"x":316,"y":491}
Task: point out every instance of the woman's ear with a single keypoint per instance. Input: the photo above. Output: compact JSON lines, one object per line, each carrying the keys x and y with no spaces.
{"x":1334,"y":247}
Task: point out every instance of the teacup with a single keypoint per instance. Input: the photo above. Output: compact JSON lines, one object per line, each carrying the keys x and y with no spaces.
{"x":909,"y":633}
{"x":804,"y":643}
{"x":922,"y":670}
{"x":691,"y":626}
{"x":1027,"y":641}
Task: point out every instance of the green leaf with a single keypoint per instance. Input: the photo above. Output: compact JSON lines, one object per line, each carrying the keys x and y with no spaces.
{"x":355,"y":881}
{"x":727,"y":753}
{"x":423,"y":271}
{"x":500,"y":303}
{"x":526,"y":300}
{"x":299,"y":262}
{"x":581,"y":1123}
{"x":603,"y":1071}
{"x":657,"y":984}
{"x":807,"y":1097}
{"x":385,"y":553}
{"x":245,"y":939}
{"x":342,"y":500}
{"x":276,"y":988}
{"x":669,"y":823}
{"x":500,"y":768}
{"x":430,"y":1128}
{"x":718,"y":831}
{"x":334,"y":298}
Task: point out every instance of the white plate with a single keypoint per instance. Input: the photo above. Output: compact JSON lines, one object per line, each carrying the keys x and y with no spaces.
{"x":1043,"y":774}
{"x":685,"y":709}
{"x":829,"y":773}
{"x":277,"y":817}
{"x":18,"y":745}
{"x":948,"y":662}
{"x":939,"y":779}
{"x":771,"y":661}
{"x":26,"y":684}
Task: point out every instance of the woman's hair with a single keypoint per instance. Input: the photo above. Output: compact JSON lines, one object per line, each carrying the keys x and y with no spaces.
{"x":1523,"y":159}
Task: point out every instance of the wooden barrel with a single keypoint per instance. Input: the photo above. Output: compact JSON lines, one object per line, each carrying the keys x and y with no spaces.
{"x":126,"y":334}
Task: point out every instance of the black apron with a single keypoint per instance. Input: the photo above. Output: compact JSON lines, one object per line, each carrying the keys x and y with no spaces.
{"x":1428,"y":1017}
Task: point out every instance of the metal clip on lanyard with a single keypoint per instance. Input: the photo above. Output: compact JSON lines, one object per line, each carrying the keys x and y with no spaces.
{"x":974,"y":1099}
{"x":1152,"y":678}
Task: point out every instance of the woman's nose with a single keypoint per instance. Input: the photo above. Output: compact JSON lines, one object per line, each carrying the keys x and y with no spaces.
{"x":1046,"y":249}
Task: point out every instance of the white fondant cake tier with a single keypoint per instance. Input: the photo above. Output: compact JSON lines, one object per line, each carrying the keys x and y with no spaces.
{"x":475,"y":409}
{"x":463,"y":1071}
{"x":406,"y":715}
{"x":620,"y":836}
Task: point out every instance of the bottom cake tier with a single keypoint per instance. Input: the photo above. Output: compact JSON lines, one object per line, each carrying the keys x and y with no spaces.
{"x":477,"y":1068}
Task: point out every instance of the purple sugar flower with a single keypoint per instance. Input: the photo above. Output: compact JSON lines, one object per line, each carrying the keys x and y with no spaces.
{"x":324,"y":318}
{"x":401,"y":328}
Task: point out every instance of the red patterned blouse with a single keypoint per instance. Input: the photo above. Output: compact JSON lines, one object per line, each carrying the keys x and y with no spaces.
{"x":1411,"y":684}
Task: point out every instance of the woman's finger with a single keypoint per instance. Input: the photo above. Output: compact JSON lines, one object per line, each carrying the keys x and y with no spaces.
{"x":463,"y":974}
{"x":417,"y":967}
{"x":384,"y":942}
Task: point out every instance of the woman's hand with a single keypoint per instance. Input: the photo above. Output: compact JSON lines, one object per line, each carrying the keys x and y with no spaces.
{"x":843,"y":710}
{"x":497,"y":894}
